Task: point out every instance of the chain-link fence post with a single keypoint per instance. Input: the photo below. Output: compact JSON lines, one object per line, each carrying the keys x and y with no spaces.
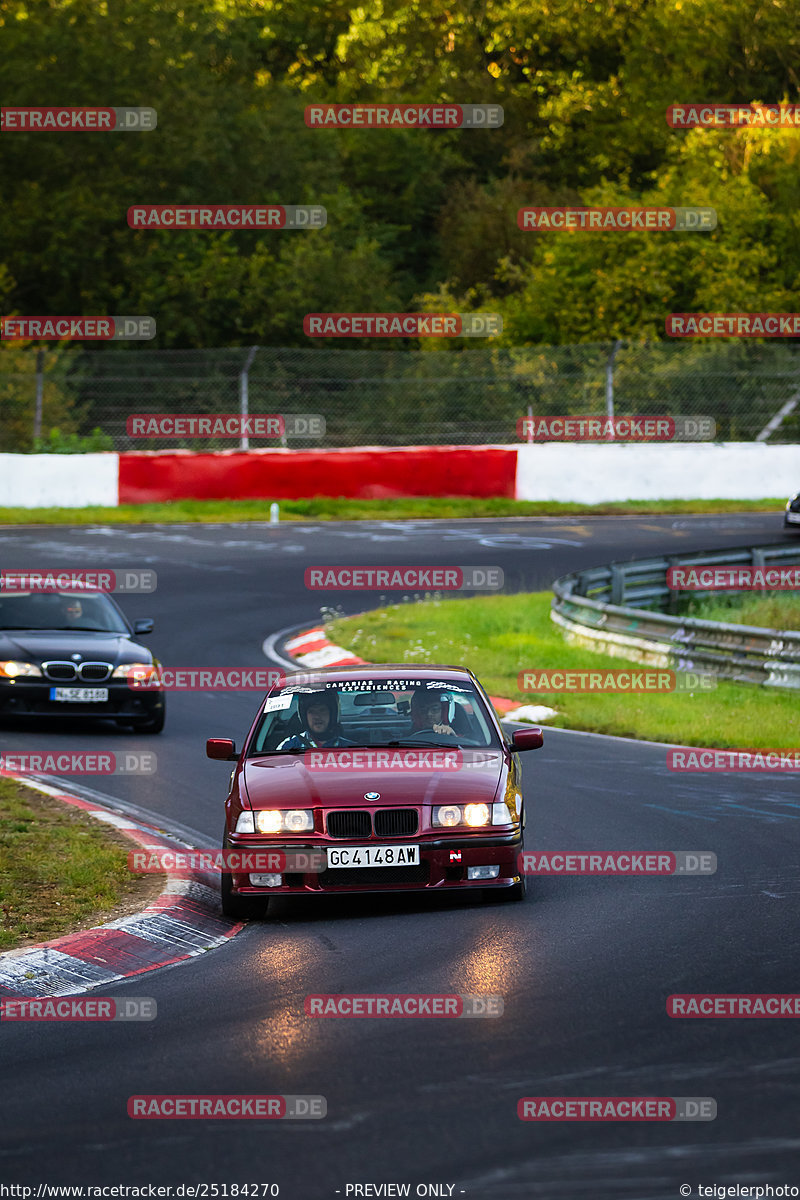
{"x":610,"y":380}
{"x":244,"y":393}
{"x":37,"y":415}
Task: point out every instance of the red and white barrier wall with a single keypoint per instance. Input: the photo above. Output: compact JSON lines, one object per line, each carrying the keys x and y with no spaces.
{"x":58,"y":480}
{"x":557,"y":471}
{"x":667,"y":471}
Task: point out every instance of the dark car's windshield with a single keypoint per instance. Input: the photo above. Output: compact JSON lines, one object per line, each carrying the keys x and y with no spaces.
{"x":60,"y":611}
{"x":365,"y":712}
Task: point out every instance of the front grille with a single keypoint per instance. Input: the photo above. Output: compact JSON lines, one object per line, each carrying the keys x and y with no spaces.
{"x":60,"y":671}
{"x":68,"y":672}
{"x":374,"y":876}
{"x":95,"y":672}
{"x":395,"y":822}
{"x":352,"y":823}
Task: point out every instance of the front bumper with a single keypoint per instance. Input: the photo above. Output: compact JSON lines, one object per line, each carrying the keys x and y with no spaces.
{"x":31,"y":698}
{"x":436,"y":872}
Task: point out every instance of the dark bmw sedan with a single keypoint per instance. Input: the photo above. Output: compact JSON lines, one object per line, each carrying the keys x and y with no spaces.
{"x":373,"y":779}
{"x":68,"y":654}
{"x":791,"y":516}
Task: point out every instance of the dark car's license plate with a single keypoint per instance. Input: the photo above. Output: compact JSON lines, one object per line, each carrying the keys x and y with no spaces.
{"x":77,"y":695}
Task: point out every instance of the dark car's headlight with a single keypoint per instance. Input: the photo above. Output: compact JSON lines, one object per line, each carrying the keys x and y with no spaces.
{"x":276,"y":820}
{"x":137,"y":673}
{"x":11,"y":669}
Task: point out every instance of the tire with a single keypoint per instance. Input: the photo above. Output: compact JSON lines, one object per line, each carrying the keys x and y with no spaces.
{"x":154,"y":726}
{"x":516,"y":892}
{"x":241,"y":908}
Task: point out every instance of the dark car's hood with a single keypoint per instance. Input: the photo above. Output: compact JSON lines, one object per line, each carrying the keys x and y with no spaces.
{"x":38,"y":646}
{"x":286,"y":780}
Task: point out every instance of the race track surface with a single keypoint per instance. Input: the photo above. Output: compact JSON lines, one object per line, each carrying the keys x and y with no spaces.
{"x":584,"y":965}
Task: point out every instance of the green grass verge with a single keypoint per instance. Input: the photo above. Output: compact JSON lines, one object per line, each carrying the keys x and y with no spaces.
{"x":60,"y":870}
{"x":499,"y":636}
{"x":768,"y":610}
{"x":342,"y":509}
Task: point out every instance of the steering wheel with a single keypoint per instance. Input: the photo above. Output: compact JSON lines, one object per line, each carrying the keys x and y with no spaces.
{"x":419,"y":732}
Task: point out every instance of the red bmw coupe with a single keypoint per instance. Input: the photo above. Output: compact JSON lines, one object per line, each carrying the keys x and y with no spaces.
{"x":373,"y":779}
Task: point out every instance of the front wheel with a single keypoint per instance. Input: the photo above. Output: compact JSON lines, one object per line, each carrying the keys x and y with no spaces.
{"x":517,"y":891}
{"x":241,"y":908}
{"x":154,"y":726}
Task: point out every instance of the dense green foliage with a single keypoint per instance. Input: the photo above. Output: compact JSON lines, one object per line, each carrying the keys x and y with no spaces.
{"x":415,"y":217}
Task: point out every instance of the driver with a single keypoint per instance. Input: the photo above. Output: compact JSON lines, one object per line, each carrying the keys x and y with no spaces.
{"x":426,"y":713}
{"x":73,"y":610}
{"x":319,"y":714}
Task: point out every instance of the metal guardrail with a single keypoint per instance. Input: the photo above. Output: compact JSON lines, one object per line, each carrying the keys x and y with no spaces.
{"x":624,"y":609}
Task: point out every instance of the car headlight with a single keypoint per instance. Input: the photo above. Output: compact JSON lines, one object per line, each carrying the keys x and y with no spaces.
{"x":276,"y":820}
{"x":245,"y":823}
{"x":478,"y":814}
{"x":474,"y":815}
{"x":448,"y":815}
{"x":16,"y":670}
{"x":508,"y":811}
{"x":298,"y":820}
{"x":140,"y":673}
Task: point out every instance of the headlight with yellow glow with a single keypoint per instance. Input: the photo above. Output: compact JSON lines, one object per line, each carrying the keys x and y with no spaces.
{"x":136,"y":672}
{"x":478,"y":814}
{"x":293,"y":820}
{"x":473,"y":815}
{"x":18,"y":670}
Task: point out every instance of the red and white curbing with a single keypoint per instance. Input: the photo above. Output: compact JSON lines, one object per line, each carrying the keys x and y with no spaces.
{"x":183,"y":922}
{"x":313,"y":651}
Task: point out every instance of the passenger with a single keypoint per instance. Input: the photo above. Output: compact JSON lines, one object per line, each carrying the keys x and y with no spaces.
{"x":426,"y":713}
{"x":319,"y":714}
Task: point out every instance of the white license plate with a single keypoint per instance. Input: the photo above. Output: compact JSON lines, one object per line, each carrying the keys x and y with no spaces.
{"x":373,"y":856}
{"x":793,"y":518}
{"x":80,"y":695}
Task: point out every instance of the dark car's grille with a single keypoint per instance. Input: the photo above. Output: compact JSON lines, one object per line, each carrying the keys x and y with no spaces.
{"x":352,"y":823}
{"x":395,"y":822}
{"x":374,"y":876}
{"x":60,"y":671}
{"x":67,"y":672}
{"x":95,"y":672}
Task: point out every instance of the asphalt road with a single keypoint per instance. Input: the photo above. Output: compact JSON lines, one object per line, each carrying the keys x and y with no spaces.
{"x":584,"y":966}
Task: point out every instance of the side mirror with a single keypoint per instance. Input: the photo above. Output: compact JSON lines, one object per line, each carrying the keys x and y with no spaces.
{"x":144,"y":626}
{"x":527,"y":739}
{"x":221,"y":748}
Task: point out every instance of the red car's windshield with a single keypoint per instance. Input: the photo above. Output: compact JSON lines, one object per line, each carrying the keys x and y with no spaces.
{"x":423,"y":712}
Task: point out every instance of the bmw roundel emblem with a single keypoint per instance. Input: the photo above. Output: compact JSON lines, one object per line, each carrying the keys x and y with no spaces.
{"x":372,"y":795}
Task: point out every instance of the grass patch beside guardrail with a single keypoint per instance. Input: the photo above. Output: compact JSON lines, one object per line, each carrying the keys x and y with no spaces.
{"x":60,"y":870}
{"x":767,"y":610}
{"x":499,"y":636}
{"x":342,"y":509}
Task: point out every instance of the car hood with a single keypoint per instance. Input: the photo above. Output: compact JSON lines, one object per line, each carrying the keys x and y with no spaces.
{"x":286,"y":780}
{"x":33,"y":645}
